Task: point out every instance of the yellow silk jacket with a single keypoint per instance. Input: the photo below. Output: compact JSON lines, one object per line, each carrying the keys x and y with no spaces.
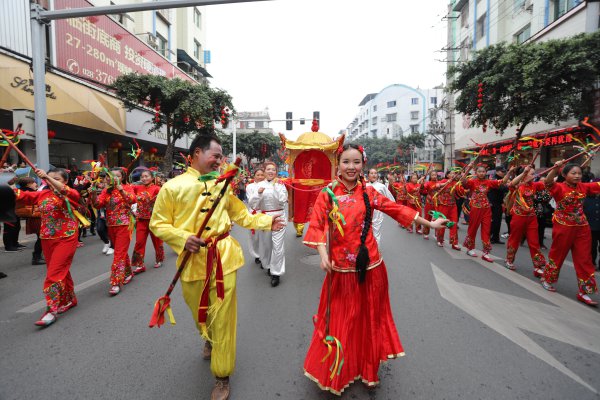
{"x":180,"y":208}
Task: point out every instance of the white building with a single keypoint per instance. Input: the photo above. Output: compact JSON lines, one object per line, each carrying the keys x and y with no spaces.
{"x":395,"y":111}
{"x":476,"y":24}
{"x":250,"y":122}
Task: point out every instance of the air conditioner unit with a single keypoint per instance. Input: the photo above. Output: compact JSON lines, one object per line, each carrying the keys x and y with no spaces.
{"x":152,"y":40}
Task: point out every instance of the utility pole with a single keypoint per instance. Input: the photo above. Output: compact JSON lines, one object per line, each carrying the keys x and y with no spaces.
{"x":40,"y":18}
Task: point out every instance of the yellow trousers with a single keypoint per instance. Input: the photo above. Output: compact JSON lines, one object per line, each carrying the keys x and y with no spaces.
{"x":221,"y":324}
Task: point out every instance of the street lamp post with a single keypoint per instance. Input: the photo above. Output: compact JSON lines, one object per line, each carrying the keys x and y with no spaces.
{"x":41,"y":17}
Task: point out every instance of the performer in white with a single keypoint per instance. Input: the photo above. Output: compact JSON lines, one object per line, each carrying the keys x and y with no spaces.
{"x":271,"y":198}
{"x":378,"y":215}
{"x":251,"y":188}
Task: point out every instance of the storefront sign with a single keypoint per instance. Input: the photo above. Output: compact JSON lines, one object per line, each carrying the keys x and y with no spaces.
{"x":26,"y":85}
{"x":506,"y":147}
{"x":100,"y":49}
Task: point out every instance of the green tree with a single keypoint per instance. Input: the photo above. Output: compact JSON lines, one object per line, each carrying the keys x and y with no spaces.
{"x":260,"y":146}
{"x":526,"y":83}
{"x":181,"y":106}
{"x":389,"y":150}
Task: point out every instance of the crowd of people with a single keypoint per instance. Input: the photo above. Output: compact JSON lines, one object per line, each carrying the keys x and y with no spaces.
{"x":345,"y":228}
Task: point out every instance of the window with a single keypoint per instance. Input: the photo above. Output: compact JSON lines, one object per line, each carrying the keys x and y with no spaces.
{"x":375,"y":108}
{"x":561,"y":7}
{"x":414,"y":115}
{"x":374,"y":121}
{"x":433,"y":100}
{"x":464,"y":50}
{"x":391,"y":117}
{"x":391,"y":103}
{"x":414,"y":129}
{"x":481,"y":27}
{"x":259,"y":124}
{"x":464,"y":17}
{"x":197,"y":49}
{"x":523,"y":34}
{"x":197,"y":17}
{"x":518,"y":5}
{"x":414,"y":100}
{"x":162,"y":44}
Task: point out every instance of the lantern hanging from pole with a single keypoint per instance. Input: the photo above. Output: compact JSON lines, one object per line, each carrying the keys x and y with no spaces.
{"x":153,"y":150}
{"x":51,"y":135}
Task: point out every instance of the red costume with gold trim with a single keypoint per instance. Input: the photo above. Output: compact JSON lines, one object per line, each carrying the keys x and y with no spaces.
{"x":524,"y":223}
{"x":145,"y":197}
{"x":400,"y":192}
{"x":360,"y":313}
{"x":58,"y":234}
{"x":481,"y":214}
{"x":430,"y":188}
{"x":445,"y":199}
{"x":571,"y":231}
{"x":118,"y":220}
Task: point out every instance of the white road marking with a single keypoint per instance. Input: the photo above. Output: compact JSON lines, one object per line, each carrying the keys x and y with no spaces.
{"x":40,"y":305}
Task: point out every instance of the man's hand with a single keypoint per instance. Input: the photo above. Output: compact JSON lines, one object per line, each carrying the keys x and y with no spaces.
{"x":193,"y":244}
{"x":261,"y":190}
{"x":277,"y":224}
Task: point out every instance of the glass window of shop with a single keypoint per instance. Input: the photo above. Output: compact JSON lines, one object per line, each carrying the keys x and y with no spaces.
{"x":119,"y":157}
{"x":70,"y":155}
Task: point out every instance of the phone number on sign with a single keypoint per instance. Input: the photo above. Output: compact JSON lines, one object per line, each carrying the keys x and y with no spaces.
{"x":97,"y":74}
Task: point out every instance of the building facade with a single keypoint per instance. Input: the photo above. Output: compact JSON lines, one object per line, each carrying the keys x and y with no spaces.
{"x":476,"y":24}
{"x":399,"y":110}
{"x":83,"y":56}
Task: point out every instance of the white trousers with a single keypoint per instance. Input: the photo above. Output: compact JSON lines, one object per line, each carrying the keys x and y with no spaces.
{"x":254,"y":247}
{"x":376,"y":225}
{"x":271,"y":248}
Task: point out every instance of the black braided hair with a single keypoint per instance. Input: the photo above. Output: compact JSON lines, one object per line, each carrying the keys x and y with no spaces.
{"x":362,"y":259}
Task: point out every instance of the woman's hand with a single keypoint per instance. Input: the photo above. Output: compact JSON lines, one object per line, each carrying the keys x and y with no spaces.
{"x":41,"y":174}
{"x":438,"y":223}
{"x":326,"y":265}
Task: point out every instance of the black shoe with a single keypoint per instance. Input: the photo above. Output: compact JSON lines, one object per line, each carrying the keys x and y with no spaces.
{"x":21,"y":246}
{"x":84,"y":234}
{"x":11,"y":250}
{"x":38,"y":261}
{"x":497,"y":242}
{"x":257,"y":260}
{"x":3,"y":275}
{"x":274,"y":280}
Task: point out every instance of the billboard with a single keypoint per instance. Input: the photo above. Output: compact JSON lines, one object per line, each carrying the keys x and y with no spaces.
{"x":100,"y":49}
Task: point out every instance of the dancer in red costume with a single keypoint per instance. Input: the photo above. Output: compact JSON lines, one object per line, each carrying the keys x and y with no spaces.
{"x":413,"y":194}
{"x":523,"y":222}
{"x":117,"y":199}
{"x":481,"y":214}
{"x":146,"y":196}
{"x":445,"y":201}
{"x":571,"y":231}
{"x":429,"y":189}
{"x":399,"y":190}
{"x":58,"y":233}
{"x":356,"y":290}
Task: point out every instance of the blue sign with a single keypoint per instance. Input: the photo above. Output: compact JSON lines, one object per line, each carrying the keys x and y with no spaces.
{"x":206,"y":56}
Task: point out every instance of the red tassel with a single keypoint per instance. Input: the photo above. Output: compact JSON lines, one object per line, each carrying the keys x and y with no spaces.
{"x":158,"y":315}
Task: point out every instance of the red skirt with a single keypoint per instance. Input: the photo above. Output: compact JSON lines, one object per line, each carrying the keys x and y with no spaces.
{"x":361,"y":319}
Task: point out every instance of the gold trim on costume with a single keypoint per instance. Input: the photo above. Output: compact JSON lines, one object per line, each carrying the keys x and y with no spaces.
{"x":371,"y":266}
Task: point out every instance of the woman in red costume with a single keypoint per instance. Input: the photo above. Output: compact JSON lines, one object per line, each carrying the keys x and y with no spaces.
{"x":570,"y":230}
{"x":429,"y":189}
{"x":523,"y":222}
{"x":481,"y":214}
{"x":399,"y":190}
{"x":413,"y":193}
{"x":445,"y":199}
{"x":145,"y":196}
{"x":117,"y":199}
{"x":354,"y":304}
{"x":58,"y":233}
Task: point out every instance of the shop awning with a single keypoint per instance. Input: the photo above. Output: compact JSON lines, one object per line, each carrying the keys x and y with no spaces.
{"x":67,"y":101}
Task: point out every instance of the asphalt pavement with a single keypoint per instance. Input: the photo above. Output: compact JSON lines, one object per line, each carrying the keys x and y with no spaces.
{"x":470,"y":329}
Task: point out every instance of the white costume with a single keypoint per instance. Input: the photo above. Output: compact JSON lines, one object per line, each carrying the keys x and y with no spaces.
{"x":254,"y":234}
{"x":272,"y":201}
{"x":378,"y":215}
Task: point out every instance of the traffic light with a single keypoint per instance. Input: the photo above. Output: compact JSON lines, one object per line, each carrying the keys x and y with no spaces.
{"x":288,"y":121}
{"x":316,"y":116}
{"x":302,"y":121}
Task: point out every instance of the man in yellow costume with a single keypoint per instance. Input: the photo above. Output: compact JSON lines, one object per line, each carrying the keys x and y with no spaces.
{"x":180,"y":208}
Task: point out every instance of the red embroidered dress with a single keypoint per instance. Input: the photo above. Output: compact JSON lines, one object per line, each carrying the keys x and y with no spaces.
{"x":479,"y":189}
{"x":413,"y":191}
{"x":146,"y":197}
{"x":56,"y":221}
{"x":118,"y":206}
{"x":523,"y":203}
{"x":400,"y":192}
{"x":59,"y":242}
{"x":360,"y":313}
{"x":480,"y":213}
{"x":571,"y":232}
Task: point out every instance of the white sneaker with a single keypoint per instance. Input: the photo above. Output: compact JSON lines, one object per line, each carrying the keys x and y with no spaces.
{"x":114,"y":290}
{"x":471,"y":253}
{"x":426,"y":237}
{"x":440,"y":244}
{"x":110,"y":251}
{"x":504,"y":235}
{"x":105,"y":248}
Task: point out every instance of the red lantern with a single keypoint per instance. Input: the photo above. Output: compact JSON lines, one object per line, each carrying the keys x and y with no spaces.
{"x":116,"y":145}
{"x":51,"y":135}
{"x":153,"y":150}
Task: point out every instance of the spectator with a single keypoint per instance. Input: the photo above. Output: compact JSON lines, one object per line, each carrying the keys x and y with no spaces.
{"x":32,"y":217}
{"x":496,"y":198}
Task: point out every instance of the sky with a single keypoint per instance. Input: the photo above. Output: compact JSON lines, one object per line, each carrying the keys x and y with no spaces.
{"x":322,"y":55}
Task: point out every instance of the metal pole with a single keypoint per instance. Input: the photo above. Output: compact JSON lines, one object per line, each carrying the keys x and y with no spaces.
{"x":234,"y":138}
{"x":120,"y":9}
{"x":38,"y":48}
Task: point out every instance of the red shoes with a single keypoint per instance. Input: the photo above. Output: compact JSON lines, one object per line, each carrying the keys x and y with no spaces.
{"x":47,"y":319}
{"x":127,"y":279}
{"x":548,"y":286}
{"x":455,"y":247}
{"x":139,"y":269}
{"x":509,"y":265}
{"x":538,"y":272}
{"x":158,"y":264}
{"x":486,"y":257}
{"x":584,"y":298}
{"x":114,"y":290}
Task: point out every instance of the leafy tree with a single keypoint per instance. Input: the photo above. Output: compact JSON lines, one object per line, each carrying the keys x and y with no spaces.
{"x":181,"y":106}
{"x":389,"y":151}
{"x":523,"y":84}
{"x":260,"y":146}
